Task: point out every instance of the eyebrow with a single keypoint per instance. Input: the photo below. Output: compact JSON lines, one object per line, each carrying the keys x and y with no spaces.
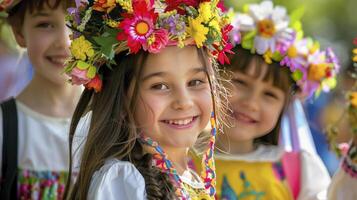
{"x":162,"y":74}
{"x":41,"y":14}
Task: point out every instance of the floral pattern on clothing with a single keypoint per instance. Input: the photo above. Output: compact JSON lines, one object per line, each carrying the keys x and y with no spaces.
{"x":229,"y":194}
{"x":44,"y":185}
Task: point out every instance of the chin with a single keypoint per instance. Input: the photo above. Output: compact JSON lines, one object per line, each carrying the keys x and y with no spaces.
{"x":239,"y":135}
{"x":179,"y":142}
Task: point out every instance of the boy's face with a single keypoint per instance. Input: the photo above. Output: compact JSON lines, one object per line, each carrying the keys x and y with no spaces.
{"x":174,"y":102}
{"x":46,"y":38}
{"x":256,"y":105}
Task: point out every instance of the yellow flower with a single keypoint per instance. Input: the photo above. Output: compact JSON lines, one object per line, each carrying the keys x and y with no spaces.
{"x":268,"y":57}
{"x":104,"y":5}
{"x":126,"y":5}
{"x":112,"y":23}
{"x":197,"y":31}
{"x":353,"y":99}
{"x":215,"y":25}
{"x":205,"y":11}
{"x":81,"y":48}
{"x":355,"y":55}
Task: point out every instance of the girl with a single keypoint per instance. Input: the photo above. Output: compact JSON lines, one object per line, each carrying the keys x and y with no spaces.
{"x":151,"y":99}
{"x":250,"y":164}
{"x":34,"y":126}
{"x":345,"y":180}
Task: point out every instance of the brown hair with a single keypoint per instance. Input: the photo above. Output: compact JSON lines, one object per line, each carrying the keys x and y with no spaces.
{"x":112,"y":132}
{"x":17,"y":14}
{"x":279,"y":75}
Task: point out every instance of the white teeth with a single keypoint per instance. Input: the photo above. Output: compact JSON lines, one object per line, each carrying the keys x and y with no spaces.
{"x":180,"y":122}
{"x":58,"y":60}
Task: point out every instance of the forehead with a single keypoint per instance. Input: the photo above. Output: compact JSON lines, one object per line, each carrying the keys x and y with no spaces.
{"x":257,"y":70}
{"x":173,"y":60}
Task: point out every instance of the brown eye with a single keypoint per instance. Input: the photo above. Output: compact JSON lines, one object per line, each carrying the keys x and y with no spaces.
{"x":194,"y":83}
{"x":239,"y":82}
{"x":160,"y":86}
{"x":272,"y":95}
{"x":45,"y":25}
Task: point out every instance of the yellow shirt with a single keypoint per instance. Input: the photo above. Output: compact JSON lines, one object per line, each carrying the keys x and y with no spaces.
{"x":250,"y":178}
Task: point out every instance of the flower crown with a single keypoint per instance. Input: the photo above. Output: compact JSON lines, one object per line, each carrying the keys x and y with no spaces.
{"x":6,"y":5}
{"x":270,"y":32}
{"x":103,"y":28}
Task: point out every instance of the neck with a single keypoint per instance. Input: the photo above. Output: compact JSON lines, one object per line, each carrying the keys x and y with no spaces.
{"x":236,"y":147}
{"x":178,"y":157}
{"x":48,"y":98}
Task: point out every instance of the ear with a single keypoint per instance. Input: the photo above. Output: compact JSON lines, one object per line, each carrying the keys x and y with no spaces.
{"x":19,"y":36}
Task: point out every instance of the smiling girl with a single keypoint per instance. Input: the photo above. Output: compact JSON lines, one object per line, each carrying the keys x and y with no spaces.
{"x":150,"y":97}
{"x":271,"y":66}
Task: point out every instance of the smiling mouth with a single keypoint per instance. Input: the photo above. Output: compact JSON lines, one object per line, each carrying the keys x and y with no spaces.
{"x":58,"y":61}
{"x":181,"y":123}
{"x":244,"y":118}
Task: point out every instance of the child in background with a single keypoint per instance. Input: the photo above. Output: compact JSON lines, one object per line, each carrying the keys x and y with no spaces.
{"x":34,"y":126}
{"x":250,"y":163}
{"x":150,"y":95}
{"x":344,"y":182}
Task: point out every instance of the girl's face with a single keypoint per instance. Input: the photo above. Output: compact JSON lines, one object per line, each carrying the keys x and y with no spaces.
{"x":256,"y":105}
{"x":174,"y":102}
{"x":46,"y":37}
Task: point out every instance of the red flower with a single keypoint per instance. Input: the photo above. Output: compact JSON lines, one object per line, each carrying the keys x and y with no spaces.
{"x":137,"y":27}
{"x":221,"y":52}
{"x":4,"y":4}
{"x":177,"y":5}
{"x":355,"y":41}
{"x":221,"y":6}
{"x":96,"y":84}
{"x":159,"y":40}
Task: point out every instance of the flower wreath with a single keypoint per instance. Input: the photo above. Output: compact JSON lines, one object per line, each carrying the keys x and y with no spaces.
{"x":268,"y":31}
{"x":103,"y":28}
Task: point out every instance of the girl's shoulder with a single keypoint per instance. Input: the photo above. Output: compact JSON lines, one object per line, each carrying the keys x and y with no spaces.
{"x":26,"y":112}
{"x":263,"y":153}
{"x":117,"y":179}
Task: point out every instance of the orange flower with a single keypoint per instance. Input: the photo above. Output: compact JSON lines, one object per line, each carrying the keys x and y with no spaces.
{"x":104,"y":5}
{"x":353,"y":99}
{"x":96,"y":84}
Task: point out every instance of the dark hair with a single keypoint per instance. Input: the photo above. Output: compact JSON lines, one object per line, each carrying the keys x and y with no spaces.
{"x":112,"y":132}
{"x":17,"y":14}
{"x":279,"y":75}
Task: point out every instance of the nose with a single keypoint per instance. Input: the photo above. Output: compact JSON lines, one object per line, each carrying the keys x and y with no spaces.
{"x":250,"y":101}
{"x":182,"y":99}
{"x":63,"y":41}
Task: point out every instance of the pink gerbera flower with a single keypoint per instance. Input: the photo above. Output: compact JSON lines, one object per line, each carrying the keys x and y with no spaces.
{"x":138,"y":27}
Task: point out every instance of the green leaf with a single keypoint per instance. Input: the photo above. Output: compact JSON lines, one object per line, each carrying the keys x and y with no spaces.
{"x":297,"y":75}
{"x":91,"y":72}
{"x":82,"y":65}
{"x":248,"y":40}
{"x":107,"y":42}
{"x":246,"y":8}
{"x":69,"y":67}
{"x":297,"y":14}
{"x":250,"y":35}
{"x":277,"y":56}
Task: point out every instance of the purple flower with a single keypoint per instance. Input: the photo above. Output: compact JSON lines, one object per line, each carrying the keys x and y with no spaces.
{"x":332,"y":58}
{"x":174,"y":24}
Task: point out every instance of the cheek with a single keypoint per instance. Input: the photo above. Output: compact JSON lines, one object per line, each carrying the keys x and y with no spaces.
{"x":271,"y":114}
{"x":148,"y":109}
{"x":204,"y":101}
